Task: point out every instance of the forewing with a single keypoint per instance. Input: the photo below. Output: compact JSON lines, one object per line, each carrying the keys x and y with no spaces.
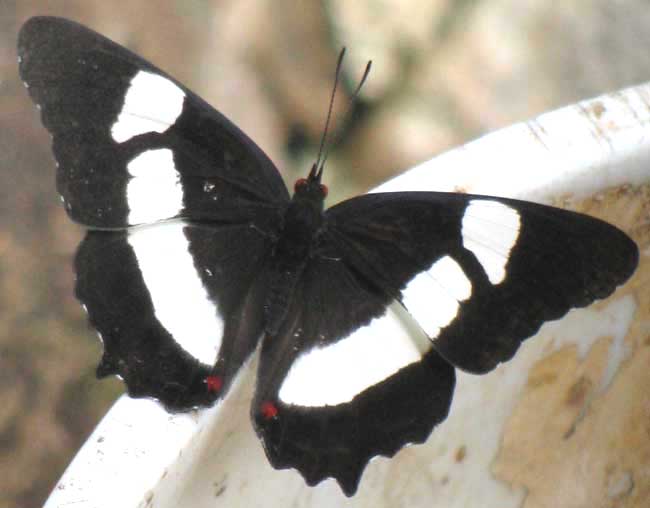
{"x":174,"y":303}
{"x":480,"y":274}
{"x":132,"y":145}
{"x":342,"y":381}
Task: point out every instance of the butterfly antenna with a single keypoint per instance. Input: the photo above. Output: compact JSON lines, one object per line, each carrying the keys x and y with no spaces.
{"x":353,"y":98}
{"x":316,"y":172}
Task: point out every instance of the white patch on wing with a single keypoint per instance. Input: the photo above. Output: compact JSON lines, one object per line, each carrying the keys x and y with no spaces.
{"x":154,"y":192}
{"x":152,"y":103}
{"x":181,"y":303}
{"x":432,"y":297}
{"x":490,"y":231}
{"x":336,"y":373}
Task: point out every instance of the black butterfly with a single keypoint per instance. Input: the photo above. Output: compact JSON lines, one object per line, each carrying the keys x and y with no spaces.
{"x":196,"y":253}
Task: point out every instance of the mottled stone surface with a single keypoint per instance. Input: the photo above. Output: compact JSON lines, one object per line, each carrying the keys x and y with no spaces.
{"x":579,"y":435}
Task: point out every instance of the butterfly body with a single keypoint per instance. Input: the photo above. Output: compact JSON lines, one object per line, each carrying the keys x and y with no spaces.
{"x":196,"y":254}
{"x":296,"y":241}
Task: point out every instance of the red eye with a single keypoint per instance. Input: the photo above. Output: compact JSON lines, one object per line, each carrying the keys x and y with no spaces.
{"x":324,"y":190}
{"x":301,"y":182}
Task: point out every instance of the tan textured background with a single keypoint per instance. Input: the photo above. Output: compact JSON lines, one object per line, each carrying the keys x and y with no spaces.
{"x":445,"y":72}
{"x":579,"y":433}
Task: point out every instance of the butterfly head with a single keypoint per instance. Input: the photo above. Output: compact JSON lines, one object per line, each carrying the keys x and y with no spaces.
{"x":311,"y":188}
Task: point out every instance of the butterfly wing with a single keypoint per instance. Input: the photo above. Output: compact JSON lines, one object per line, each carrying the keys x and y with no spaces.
{"x":480,"y":274}
{"x":132,"y":145}
{"x":174,"y":303}
{"x":341,"y":382}
{"x":178,"y":301}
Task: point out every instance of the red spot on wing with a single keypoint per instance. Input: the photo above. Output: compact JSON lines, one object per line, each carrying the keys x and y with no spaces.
{"x":325,"y":190}
{"x":268,"y":410}
{"x":214,"y":383}
{"x":299,"y":183}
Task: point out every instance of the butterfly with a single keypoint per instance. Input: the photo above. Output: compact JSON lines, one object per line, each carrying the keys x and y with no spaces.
{"x":196,"y":255}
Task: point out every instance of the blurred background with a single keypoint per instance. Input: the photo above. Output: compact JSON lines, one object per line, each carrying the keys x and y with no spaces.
{"x":444,"y":72}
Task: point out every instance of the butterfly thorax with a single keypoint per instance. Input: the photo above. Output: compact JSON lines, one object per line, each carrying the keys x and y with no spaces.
{"x":302,"y":221}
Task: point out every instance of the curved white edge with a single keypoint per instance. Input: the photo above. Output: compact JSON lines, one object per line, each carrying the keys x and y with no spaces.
{"x":127,"y":455}
{"x":138,"y":450}
{"x":578,"y":149}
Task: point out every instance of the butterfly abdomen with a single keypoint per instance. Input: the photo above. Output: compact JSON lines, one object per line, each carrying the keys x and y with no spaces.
{"x":281,"y":289}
